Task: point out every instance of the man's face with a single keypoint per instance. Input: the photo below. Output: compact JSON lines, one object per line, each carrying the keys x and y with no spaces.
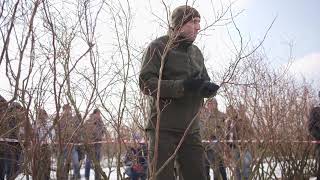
{"x":190,"y":29}
{"x":67,"y":110}
{"x":212,"y":105}
{"x":98,"y":114}
{"x":231,"y":111}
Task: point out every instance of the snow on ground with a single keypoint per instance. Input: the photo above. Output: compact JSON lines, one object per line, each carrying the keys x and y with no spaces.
{"x":53,"y":175}
{"x":114,"y":175}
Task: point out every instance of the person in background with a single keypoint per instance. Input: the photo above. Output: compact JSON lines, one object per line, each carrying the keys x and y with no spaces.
{"x":4,"y":151}
{"x":212,"y":126}
{"x":44,"y":134}
{"x":215,"y":159}
{"x":212,"y":120}
{"x":67,"y":135}
{"x":239,"y":130}
{"x":136,"y":163}
{"x":212,"y":130}
{"x":143,"y":158}
{"x":314,"y":129}
{"x":95,"y":131}
{"x":12,"y":130}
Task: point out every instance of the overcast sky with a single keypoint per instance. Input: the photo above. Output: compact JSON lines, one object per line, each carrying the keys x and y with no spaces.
{"x":296,"y":28}
{"x":296,"y":24}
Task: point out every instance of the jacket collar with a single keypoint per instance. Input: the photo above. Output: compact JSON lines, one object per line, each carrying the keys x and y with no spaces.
{"x":179,"y":41}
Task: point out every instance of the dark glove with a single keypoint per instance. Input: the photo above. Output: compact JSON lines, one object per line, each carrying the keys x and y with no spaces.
{"x":192,"y":85}
{"x":209,"y":89}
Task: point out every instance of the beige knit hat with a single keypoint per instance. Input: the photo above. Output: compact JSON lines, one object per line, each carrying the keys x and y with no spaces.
{"x":183,"y":14}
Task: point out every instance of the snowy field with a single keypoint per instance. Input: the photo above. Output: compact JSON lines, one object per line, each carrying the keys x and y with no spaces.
{"x":113,"y":175}
{"x":53,"y":175}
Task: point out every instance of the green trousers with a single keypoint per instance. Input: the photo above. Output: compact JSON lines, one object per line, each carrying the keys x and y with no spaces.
{"x":190,"y":155}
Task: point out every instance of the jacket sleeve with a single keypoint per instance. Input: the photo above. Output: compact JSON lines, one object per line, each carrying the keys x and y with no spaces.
{"x":149,"y":76}
{"x":205,"y":75}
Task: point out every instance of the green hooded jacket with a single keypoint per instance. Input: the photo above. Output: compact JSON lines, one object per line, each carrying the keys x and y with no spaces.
{"x":182,"y":61}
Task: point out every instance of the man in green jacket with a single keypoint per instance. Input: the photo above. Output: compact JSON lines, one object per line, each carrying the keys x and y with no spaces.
{"x":173,"y":68}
